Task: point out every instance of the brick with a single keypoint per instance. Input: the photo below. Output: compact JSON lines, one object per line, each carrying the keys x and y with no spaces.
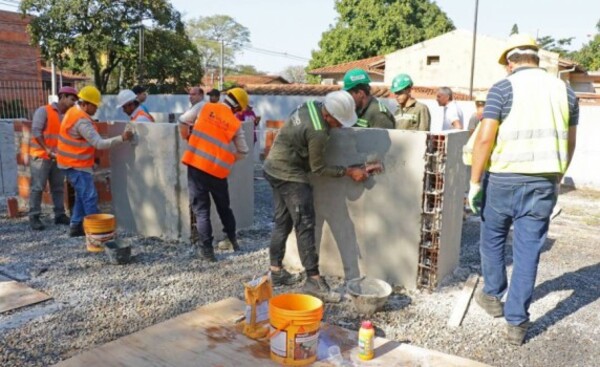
{"x":274,"y":124}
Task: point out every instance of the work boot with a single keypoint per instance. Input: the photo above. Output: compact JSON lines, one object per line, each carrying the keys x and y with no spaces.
{"x":208,"y":254}
{"x":35,"y":223}
{"x":515,"y":334}
{"x":320,"y":289}
{"x":490,"y":304}
{"x":234,"y":244}
{"x":283,"y":277}
{"x":62,"y":219}
{"x":76,"y":230}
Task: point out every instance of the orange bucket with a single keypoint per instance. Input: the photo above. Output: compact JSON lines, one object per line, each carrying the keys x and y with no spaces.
{"x":98,"y":228}
{"x":295,"y":323}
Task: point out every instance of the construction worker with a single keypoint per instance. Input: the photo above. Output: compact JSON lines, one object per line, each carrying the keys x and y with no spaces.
{"x":45,"y":126}
{"x":370,"y":112}
{"x":141,"y":94}
{"x":478,"y":114}
{"x":411,"y":115}
{"x":299,"y":150}
{"x":209,"y":160}
{"x":187,"y":119}
{"x":214,"y":96}
{"x":526,"y":140}
{"x":453,"y":116}
{"x":77,"y":144}
{"x":127,"y":100}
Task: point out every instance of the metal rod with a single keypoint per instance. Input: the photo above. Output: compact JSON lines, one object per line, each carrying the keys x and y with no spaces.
{"x":473,"y":53}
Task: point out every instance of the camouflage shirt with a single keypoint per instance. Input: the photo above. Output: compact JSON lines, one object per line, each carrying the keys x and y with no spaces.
{"x":414,"y":116}
{"x":299,"y":147}
{"x":375,"y":115}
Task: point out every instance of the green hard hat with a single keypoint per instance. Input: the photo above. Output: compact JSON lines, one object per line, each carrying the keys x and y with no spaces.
{"x":355,"y":77}
{"x":400,"y":82}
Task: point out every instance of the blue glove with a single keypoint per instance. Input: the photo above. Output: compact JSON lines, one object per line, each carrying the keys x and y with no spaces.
{"x":475,"y":197}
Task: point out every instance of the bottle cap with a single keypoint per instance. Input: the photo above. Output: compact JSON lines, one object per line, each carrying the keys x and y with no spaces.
{"x":366,"y":325}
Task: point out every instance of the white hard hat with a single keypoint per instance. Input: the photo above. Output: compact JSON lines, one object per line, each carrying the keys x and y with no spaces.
{"x":125,"y":96}
{"x":340,"y":105}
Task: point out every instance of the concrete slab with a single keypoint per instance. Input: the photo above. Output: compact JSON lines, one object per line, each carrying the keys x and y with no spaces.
{"x":370,"y":228}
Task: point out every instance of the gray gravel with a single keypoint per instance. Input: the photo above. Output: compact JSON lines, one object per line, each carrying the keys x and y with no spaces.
{"x":95,"y":303}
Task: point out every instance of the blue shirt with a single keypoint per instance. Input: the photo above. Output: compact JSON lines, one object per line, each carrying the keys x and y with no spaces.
{"x":500,"y":98}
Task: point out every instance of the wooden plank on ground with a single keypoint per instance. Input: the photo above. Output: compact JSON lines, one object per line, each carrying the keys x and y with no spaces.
{"x":462,"y":304}
{"x":208,"y":336}
{"x":15,"y":295}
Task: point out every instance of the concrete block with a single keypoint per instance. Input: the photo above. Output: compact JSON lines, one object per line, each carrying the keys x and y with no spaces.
{"x":8,"y":162}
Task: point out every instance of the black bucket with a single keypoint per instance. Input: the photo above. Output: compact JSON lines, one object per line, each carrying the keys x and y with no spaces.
{"x":118,"y":253}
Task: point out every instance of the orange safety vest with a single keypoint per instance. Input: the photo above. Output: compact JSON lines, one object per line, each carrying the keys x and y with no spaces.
{"x":141,"y":113}
{"x":208,"y":146}
{"x":50,"y":134}
{"x":73,"y":152}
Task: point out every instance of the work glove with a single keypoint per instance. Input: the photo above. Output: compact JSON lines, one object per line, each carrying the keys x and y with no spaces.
{"x":475,"y":197}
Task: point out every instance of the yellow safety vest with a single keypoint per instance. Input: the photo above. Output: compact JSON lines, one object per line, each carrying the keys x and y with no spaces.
{"x":533,"y":138}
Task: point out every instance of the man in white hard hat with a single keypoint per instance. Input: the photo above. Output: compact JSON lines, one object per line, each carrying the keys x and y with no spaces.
{"x":299,"y":150}
{"x":525,"y":142}
{"x":127,"y":100}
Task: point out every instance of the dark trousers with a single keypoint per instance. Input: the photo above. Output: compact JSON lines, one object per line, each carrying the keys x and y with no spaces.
{"x":294,"y":208}
{"x":201,"y":187}
{"x":43,"y":171}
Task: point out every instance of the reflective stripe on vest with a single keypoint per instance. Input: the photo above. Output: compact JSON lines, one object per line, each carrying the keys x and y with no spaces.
{"x":382,"y":107}
{"x":208,"y":146}
{"x":141,"y":113}
{"x":314,"y":115}
{"x":50,"y":134}
{"x":74,"y":152}
{"x":362,"y":123}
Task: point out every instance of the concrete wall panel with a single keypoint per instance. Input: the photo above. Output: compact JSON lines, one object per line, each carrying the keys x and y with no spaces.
{"x":8,"y":163}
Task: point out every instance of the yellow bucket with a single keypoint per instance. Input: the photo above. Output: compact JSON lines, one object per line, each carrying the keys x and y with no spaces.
{"x":98,"y":228}
{"x":295,"y":322}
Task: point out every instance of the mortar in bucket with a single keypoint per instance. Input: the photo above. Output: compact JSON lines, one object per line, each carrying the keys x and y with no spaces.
{"x":98,"y":228}
{"x":368,"y":294}
{"x":295,"y":321}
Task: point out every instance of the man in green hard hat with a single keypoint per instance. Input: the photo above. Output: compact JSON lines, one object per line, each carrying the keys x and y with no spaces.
{"x":370,"y":112}
{"x":411,"y":115}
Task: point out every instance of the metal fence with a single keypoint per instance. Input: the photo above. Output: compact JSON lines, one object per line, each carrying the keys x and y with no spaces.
{"x":20,"y":99}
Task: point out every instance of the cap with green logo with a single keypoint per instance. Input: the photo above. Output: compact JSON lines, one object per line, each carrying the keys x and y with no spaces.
{"x":401,"y":82}
{"x":355,"y":77}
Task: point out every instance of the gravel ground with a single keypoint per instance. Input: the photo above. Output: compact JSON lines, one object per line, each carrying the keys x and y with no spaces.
{"x":95,"y":303}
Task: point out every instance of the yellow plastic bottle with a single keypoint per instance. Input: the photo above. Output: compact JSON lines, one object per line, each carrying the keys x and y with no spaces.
{"x":366,"y":336}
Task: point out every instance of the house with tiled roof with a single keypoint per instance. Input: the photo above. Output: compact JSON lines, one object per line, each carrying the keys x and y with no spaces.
{"x":243,"y":80}
{"x":334,"y":74}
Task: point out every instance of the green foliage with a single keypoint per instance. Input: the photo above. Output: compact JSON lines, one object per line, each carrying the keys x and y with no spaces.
{"x":550,"y":44}
{"x":367,"y":28}
{"x":589,"y":55}
{"x":514,"y":29}
{"x":96,"y":35}
{"x":208,"y":32}
{"x":246,"y":70}
{"x":295,"y":74}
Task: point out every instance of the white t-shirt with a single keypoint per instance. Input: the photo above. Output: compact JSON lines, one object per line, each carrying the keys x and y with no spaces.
{"x":189,"y":117}
{"x":452,"y":113}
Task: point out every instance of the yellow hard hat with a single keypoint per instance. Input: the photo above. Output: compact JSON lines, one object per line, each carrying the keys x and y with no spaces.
{"x":240,"y":96}
{"x":90,"y":94}
{"x":519,"y":40}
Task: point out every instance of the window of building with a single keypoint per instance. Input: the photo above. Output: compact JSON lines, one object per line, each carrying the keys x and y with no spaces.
{"x":433,"y":60}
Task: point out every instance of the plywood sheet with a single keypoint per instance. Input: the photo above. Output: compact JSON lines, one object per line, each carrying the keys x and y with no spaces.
{"x":208,"y":336}
{"x":15,"y":295}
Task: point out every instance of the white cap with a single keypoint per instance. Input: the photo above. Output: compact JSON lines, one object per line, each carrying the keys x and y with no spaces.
{"x":341,"y":106}
{"x":125,"y":96}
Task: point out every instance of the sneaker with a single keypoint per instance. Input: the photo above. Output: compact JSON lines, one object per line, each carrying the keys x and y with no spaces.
{"x":320,"y":289}
{"x":284,"y":277}
{"x":228,"y":244}
{"x":515,"y":334}
{"x":36,"y":224}
{"x":76,"y":231}
{"x":490,"y":304}
{"x":62,"y":219}
{"x":208,"y":254}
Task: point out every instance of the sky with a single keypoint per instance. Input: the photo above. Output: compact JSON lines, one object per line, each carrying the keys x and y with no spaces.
{"x":284,"y":32}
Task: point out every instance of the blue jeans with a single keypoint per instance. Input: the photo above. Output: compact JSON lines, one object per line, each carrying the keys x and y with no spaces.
{"x":86,"y":197}
{"x":526,"y":202}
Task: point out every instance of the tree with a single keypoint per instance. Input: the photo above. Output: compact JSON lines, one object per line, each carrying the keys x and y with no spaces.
{"x":589,"y":55}
{"x":246,"y":70}
{"x":550,"y":44}
{"x":514,"y":29}
{"x":367,"y":28}
{"x":207,"y":33}
{"x":100,"y":33}
{"x":295,"y":74}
